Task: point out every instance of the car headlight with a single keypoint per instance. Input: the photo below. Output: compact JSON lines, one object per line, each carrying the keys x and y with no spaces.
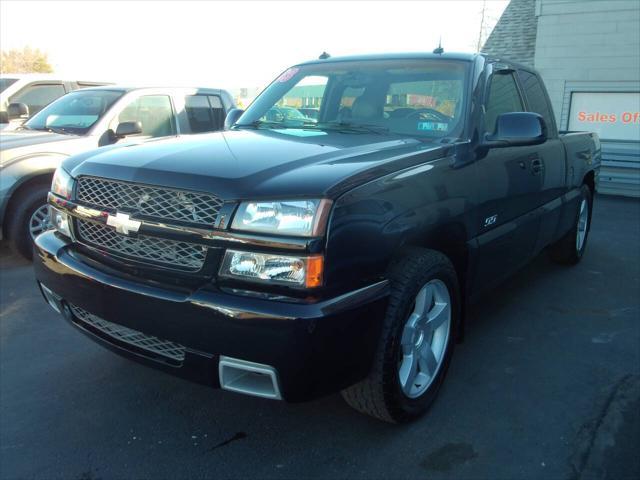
{"x":273,"y":269}
{"x":62,"y":183}
{"x":302,"y":218}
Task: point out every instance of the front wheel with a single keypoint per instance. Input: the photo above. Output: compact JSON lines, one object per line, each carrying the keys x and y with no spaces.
{"x":29,"y":218}
{"x":417,"y":339}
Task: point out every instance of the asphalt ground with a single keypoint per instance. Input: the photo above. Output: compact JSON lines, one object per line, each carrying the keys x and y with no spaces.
{"x":545,"y":385}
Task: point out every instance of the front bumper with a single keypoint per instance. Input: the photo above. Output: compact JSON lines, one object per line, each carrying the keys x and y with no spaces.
{"x":316,"y":348}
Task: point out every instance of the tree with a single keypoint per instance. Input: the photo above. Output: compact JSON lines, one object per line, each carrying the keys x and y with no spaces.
{"x":27,"y":60}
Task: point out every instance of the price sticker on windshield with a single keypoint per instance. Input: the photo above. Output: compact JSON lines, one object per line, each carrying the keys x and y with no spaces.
{"x":288,"y":75}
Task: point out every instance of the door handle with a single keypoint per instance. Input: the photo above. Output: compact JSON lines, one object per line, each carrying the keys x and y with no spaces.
{"x":536,"y":166}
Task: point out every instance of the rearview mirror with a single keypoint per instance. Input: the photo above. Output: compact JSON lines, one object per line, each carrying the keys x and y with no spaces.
{"x":232,"y":117}
{"x":517,"y":129}
{"x":17,"y":110}
{"x":125,"y":129}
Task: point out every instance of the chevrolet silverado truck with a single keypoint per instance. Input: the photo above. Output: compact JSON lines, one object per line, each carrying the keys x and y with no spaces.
{"x":83,"y":120}
{"x":293,"y":258}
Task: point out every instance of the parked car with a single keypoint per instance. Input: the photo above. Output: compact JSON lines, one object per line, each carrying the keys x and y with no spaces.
{"x":83,"y":120}
{"x":310,"y":112}
{"x":23,"y":95}
{"x":279,"y":114}
{"x":293,"y":260}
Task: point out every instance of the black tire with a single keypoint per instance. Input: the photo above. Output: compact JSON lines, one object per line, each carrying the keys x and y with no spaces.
{"x":23,"y":207}
{"x":380,"y":394}
{"x":565,"y":250}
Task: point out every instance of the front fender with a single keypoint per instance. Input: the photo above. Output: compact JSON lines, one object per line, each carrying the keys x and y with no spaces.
{"x":20,"y":170}
{"x":431,"y":205}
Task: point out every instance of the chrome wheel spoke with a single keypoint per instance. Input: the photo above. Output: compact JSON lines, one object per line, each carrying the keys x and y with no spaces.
{"x":424,"y":299}
{"x":427,"y":361}
{"x":40,"y":221}
{"x":439,"y":314}
{"x":408,"y":371}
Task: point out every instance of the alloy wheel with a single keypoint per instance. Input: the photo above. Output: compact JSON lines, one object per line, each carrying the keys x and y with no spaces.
{"x":424,"y":338}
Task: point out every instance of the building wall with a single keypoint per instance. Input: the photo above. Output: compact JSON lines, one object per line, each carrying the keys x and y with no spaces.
{"x":514,"y":36}
{"x":593,"y":46}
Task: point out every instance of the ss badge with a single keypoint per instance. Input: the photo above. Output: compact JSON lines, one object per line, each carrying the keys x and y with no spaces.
{"x":490,"y":220}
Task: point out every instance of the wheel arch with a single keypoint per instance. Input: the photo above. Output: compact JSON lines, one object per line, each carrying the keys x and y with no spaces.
{"x":589,"y":179}
{"x":43,"y":177}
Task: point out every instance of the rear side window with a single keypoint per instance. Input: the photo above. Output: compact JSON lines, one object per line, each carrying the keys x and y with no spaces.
{"x":536,"y":98}
{"x":36,"y":97}
{"x":503,"y":98}
{"x":204,"y":112}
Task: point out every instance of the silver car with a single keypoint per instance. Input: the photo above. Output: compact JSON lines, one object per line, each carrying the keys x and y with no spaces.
{"x":84,"y":120}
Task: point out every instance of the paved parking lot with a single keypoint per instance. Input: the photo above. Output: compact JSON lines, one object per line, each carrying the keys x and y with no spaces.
{"x":544,"y":386}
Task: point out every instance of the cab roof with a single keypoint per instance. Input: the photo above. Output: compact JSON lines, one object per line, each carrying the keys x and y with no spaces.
{"x":398,"y":56}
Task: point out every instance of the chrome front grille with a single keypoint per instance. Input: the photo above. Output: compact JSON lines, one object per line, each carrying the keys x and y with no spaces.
{"x":164,"y":204}
{"x":145,"y":248}
{"x":164,"y":348}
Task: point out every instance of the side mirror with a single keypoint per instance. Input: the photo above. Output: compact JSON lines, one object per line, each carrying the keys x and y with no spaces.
{"x":4,"y":117}
{"x":517,"y":129}
{"x":17,"y":110}
{"x":232,"y":117}
{"x":125,"y":129}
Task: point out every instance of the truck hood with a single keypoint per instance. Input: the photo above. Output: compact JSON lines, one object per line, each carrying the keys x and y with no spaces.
{"x":254,"y":164}
{"x":14,"y":145}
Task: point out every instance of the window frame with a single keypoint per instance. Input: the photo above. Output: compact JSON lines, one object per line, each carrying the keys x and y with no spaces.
{"x":32,"y":85}
{"x":127,"y":100}
{"x":504,"y":69}
{"x":552,"y":128}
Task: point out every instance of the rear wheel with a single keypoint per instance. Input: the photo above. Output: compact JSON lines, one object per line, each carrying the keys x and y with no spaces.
{"x":417,"y":340}
{"x":30,"y":217}
{"x":570,"y":248}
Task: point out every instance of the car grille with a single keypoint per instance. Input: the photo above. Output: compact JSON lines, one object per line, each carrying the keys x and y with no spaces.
{"x":160,"y":250}
{"x":164,"y":348}
{"x":160,"y":203}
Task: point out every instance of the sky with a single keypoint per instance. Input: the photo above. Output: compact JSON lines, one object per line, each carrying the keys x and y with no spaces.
{"x":225,"y":44}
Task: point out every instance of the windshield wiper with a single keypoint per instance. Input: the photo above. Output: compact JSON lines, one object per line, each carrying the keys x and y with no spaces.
{"x":263,"y":123}
{"x":350,"y":127}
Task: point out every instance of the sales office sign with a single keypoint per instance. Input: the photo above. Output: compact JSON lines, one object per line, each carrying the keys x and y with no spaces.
{"x":613,"y":116}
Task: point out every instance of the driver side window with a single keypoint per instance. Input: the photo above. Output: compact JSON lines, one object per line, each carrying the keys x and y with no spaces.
{"x":503,"y":98}
{"x":154,"y":112}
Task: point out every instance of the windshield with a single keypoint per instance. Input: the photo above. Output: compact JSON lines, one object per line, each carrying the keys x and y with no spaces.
{"x":423,"y":98}
{"x":75,"y":112}
{"x":5,"y":82}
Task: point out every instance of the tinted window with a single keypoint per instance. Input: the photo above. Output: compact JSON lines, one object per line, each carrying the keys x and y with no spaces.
{"x":410,"y":97}
{"x":503,"y":98}
{"x":536,"y":98}
{"x":5,"y":82}
{"x":38,"y":96}
{"x":76,"y":112}
{"x":154,"y":113}
{"x":205,"y":113}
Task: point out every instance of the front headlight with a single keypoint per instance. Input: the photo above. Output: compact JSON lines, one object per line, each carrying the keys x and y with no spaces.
{"x":273,"y":269}
{"x":62,"y":183}
{"x":302,"y":218}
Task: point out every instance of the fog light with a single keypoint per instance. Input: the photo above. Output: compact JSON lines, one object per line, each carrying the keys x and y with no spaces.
{"x":60,"y":222}
{"x":274,"y":269}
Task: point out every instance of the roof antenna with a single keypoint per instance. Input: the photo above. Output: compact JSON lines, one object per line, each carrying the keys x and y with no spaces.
{"x":324,"y":56}
{"x":439,"y":50}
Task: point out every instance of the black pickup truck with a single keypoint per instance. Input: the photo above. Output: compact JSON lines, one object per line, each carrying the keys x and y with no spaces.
{"x":293,"y":257}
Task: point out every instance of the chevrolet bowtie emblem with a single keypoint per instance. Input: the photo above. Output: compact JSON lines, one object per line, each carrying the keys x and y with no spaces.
{"x":123,"y":224}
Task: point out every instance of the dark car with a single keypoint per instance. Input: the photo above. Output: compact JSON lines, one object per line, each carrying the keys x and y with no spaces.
{"x":291,"y":259}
